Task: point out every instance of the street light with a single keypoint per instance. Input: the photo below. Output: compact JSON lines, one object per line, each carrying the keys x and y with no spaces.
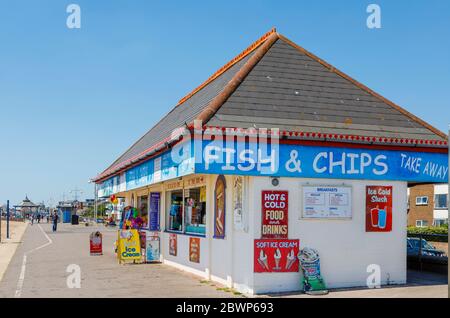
{"x":95,"y":201}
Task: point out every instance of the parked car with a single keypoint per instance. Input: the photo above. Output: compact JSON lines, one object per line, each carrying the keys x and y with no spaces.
{"x":413,"y":248}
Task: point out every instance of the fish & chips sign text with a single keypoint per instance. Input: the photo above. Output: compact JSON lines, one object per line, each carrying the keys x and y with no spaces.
{"x":287,"y":160}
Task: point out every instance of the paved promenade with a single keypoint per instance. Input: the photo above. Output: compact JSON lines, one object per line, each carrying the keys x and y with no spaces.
{"x":47,"y":256}
{"x":38,"y":269}
{"x":8,"y":246}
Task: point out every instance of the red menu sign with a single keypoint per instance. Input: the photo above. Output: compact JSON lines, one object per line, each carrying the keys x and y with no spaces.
{"x":173,"y":246}
{"x":194,"y":249}
{"x":378,"y":208}
{"x":274,"y":214}
{"x":276,"y":256}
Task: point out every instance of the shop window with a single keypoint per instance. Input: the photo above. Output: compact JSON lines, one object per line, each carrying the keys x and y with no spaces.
{"x":440,"y":201}
{"x":175,"y":211}
{"x":422,"y":200}
{"x":143,"y":209}
{"x":195,"y":210}
{"x":421,"y":223}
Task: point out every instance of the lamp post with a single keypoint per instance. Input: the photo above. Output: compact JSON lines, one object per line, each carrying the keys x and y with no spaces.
{"x":95,"y":203}
{"x":7,"y":219}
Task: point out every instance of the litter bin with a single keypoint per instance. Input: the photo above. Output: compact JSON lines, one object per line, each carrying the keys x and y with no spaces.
{"x":75,"y":219}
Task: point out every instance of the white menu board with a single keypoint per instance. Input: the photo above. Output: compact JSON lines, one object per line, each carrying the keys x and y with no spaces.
{"x":334,"y":202}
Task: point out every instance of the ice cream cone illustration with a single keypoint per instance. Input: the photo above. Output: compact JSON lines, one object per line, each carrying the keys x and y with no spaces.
{"x":277,"y":258}
{"x":262,"y":260}
{"x":291,"y":259}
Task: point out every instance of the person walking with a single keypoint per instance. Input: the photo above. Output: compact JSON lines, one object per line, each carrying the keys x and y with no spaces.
{"x":55,"y":221}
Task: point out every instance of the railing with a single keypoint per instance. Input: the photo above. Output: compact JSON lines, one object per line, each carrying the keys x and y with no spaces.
{"x":432,"y":263}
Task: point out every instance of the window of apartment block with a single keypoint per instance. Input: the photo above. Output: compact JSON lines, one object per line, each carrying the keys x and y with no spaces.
{"x":421,"y":223}
{"x":440,"y":201}
{"x":422,"y":200}
{"x":440,"y":222}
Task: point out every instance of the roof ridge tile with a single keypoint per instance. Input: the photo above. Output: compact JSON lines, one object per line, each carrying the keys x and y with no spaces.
{"x":224,"y":68}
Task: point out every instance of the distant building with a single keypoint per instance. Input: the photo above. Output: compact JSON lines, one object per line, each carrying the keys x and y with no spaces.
{"x":427,"y":205}
{"x":66,"y":209}
{"x":88,"y":203}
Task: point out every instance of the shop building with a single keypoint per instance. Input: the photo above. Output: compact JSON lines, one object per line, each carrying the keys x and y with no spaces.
{"x":427,"y":205}
{"x":277,"y":151}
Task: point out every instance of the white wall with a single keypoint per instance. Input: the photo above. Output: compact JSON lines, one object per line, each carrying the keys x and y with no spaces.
{"x":221,"y":249}
{"x":182,"y":261}
{"x":243,"y":246}
{"x":216,"y":257}
{"x":441,"y":188}
{"x":345,"y":248}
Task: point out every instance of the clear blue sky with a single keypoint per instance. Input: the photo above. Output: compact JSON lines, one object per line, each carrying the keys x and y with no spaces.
{"x":71,"y":101}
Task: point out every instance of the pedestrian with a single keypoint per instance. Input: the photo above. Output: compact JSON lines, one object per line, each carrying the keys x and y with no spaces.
{"x":32,"y":219}
{"x":55,"y":221}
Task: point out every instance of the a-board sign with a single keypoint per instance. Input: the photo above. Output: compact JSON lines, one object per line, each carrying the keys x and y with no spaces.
{"x":129,"y":247}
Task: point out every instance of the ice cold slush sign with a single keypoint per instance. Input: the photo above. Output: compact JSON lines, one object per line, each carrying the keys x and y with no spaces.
{"x":327,"y":202}
{"x":378,"y":208}
{"x":322,"y":162}
{"x":274,"y":214}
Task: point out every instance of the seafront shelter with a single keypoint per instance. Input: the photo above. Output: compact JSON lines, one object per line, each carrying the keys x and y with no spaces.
{"x":27,"y":208}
